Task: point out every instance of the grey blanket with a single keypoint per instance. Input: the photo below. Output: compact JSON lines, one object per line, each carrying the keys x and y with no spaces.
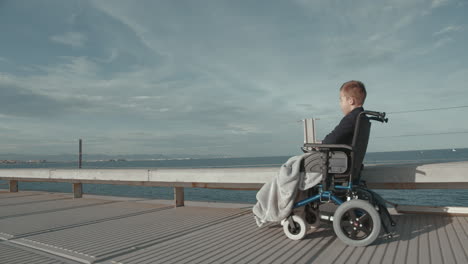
{"x":276,"y":198}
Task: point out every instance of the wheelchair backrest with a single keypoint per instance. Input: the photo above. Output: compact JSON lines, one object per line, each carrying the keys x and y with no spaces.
{"x":359,"y":145}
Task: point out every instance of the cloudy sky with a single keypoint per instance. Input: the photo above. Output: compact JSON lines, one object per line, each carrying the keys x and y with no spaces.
{"x":226,"y":77}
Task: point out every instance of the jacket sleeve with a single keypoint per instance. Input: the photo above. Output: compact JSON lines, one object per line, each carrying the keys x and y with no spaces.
{"x":342,"y":133}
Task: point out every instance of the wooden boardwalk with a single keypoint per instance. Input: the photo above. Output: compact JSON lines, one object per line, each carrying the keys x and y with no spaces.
{"x":39,"y":227}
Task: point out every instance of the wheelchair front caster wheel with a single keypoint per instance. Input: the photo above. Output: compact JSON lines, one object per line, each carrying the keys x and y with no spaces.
{"x":357,"y":223}
{"x":294,"y":227}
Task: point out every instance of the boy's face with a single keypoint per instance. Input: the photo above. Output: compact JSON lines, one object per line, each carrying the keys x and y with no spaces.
{"x":346,"y":103}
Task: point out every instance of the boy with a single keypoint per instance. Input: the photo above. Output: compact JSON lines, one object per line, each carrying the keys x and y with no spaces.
{"x":275,"y":199}
{"x":352,"y":97}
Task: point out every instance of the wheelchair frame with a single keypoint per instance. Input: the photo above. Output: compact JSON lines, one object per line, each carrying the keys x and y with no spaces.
{"x":358,"y":198}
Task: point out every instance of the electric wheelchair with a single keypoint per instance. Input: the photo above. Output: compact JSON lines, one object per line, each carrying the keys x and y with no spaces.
{"x":359,"y":213}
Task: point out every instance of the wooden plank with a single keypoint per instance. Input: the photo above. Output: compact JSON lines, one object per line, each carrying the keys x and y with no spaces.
{"x":464,"y":224}
{"x":423,"y":239}
{"x":446,"y":246}
{"x":281,"y":245}
{"x":249,"y":249}
{"x":356,"y":255}
{"x":316,"y":242}
{"x":391,"y":250}
{"x":381,"y":249}
{"x":243,"y":239}
{"x":338,"y":248}
{"x":413,"y":240}
{"x":312,"y":246}
{"x":343,"y":257}
{"x":403,"y":236}
{"x":458,"y":246}
{"x":183,"y":249}
{"x":462,"y":232}
{"x":202,"y":235}
{"x":434,"y":242}
{"x":368,"y":253}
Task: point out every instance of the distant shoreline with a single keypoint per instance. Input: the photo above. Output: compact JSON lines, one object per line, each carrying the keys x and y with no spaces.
{"x":406,"y":155}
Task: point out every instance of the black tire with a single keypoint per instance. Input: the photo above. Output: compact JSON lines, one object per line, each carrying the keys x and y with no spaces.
{"x":357,"y":223}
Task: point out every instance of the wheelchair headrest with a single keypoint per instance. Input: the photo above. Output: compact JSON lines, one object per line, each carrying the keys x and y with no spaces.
{"x":378,"y":116}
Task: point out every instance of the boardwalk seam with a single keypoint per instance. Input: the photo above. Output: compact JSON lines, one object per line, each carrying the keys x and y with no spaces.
{"x":47,"y":249}
{"x":54,"y":210}
{"x":398,"y":242}
{"x":463,"y":226}
{"x":315,"y":256}
{"x":33,"y":202}
{"x":436,"y":229}
{"x":418,"y":242}
{"x":385,"y":252}
{"x":448,"y":238}
{"x":304,"y":247}
{"x":264,"y":234}
{"x":273,"y":235}
{"x":408,"y":247}
{"x":205,"y":234}
{"x":34,"y":251}
{"x":360,"y":255}
{"x":92,"y":221}
{"x":458,"y":237}
{"x":19,"y":196}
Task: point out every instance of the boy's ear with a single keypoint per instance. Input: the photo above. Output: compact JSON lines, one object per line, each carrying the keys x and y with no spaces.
{"x":351,"y":100}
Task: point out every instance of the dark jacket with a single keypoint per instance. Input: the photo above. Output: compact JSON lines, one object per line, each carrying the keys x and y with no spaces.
{"x":344,"y":131}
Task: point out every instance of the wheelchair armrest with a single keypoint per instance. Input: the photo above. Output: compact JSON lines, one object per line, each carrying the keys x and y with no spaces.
{"x":320,"y":147}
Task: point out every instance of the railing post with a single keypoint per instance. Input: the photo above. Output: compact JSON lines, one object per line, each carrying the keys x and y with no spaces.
{"x":77,"y":190}
{"x":13,"y":186}
{"x":179,"y":196}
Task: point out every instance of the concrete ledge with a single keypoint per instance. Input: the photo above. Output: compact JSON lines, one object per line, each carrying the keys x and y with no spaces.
{"x":416,"y":209}
{"x":417,"y":176}
{"x":399,"y":176}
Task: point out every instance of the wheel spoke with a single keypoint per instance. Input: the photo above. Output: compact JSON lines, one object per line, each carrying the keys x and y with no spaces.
{"x":364,"y":218}
{"x":366,"y":230}
{"x":346,"y":224}
{"x":352,"y":214}
{"x":353,"y":234}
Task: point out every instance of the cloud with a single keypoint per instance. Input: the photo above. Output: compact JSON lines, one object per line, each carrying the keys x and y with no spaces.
{"x":439,"y":3}
{"x":442,"y":42}
{"x":448,"y":29}
{"x":74,"y":39}
{"x":16,"y":101}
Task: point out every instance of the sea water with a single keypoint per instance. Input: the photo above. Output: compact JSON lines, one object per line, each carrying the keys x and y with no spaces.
{"x":443,"y":197}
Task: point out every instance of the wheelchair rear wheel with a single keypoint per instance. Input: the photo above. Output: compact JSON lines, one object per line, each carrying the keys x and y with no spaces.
{"x":297,"y":230}
{"x":357,"y":223}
